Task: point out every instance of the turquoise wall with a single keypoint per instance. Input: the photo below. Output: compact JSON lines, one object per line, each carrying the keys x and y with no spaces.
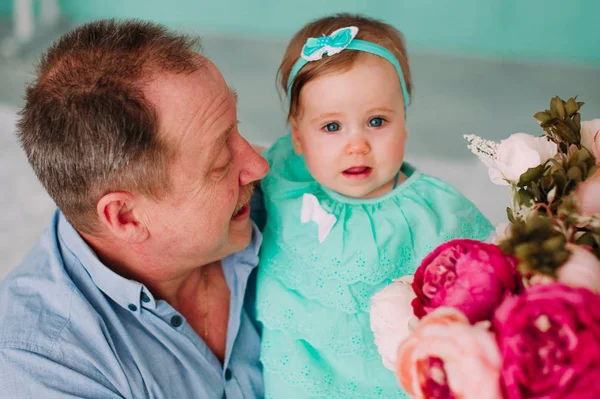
{"x":562,"y":30}
{"x":5,"y":7}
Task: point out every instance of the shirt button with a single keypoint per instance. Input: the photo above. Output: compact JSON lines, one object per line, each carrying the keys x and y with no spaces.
{"x":132,"y":307}
{"x":176,"y":321}
{"x":145,"y":297}
{"x":228,"y":374}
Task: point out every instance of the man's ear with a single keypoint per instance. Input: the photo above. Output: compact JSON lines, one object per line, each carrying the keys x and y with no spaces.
{"x":117,"y":214}
{"x":295,"y":137}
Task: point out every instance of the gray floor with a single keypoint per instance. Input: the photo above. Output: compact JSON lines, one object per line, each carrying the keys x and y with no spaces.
{"x":453,"y":96}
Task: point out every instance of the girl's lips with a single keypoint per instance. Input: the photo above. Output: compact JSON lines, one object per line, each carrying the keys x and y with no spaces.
{"x":358,"y":172}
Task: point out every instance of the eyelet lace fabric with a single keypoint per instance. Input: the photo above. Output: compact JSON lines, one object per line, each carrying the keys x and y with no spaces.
{"x":313,"y":298}
{"x":293,"y":369}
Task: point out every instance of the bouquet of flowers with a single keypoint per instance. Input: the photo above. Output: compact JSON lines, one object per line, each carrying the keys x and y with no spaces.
{"x":518,"y":317}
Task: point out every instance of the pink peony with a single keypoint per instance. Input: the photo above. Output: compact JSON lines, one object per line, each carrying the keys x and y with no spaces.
{"x":446,"y":357}
{"x":588,"y":195}
{"x":468,"y":275}
{"x":549,"y":339}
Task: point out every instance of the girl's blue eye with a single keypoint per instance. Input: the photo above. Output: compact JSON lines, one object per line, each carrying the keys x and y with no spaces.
{"x":376,"y":122}
{"x":332,"y":127}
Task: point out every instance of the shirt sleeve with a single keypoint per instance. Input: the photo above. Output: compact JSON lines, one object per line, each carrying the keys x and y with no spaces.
{"x":27,"y":374}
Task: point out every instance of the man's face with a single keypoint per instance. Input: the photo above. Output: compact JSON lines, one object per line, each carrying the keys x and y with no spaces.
{"x":205,"y":216}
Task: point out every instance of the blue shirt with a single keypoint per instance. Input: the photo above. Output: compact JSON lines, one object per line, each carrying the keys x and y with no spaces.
{"x":71,"y":327}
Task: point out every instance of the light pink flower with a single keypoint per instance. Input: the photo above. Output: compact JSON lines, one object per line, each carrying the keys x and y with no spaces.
{"x":446,"y":357}
{"x":590,"y":137}
{"x":391,"y":317}
{"x":582,"y":269}
{"x":588,"y":195}
{"x":539,"y":279}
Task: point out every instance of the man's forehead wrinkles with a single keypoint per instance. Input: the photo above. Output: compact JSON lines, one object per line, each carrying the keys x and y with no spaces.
{"x":213,"y":115}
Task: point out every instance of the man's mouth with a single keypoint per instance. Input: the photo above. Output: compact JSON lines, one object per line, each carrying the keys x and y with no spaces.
{"x":242,"y":210}
{"x":358,"y":172}
{"x":241,"y":213}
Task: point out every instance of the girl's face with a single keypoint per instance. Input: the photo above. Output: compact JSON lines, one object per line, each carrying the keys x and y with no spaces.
{"x":351,"y":129}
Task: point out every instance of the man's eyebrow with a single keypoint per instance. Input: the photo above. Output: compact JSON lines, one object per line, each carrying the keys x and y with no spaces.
{"x":234,"y":93}
{"x":215,"y":148}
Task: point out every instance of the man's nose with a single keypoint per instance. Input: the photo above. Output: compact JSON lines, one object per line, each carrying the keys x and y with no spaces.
{"x":254,"y":166}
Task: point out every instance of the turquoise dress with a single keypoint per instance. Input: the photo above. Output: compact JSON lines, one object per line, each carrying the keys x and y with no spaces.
{"x":313,"y":297}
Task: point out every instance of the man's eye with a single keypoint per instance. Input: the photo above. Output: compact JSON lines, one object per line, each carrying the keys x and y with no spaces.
{"x":376,"y":122}
{"x":332,"y":127}
{"x":220,"y":172}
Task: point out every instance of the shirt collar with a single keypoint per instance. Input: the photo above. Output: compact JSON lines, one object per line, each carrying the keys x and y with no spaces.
{"x":121,"y":290}
{"x":238,"y":266}
{"x":128,"y":292}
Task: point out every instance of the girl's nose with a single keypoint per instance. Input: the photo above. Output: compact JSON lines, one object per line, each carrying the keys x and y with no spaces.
{"x":358,"y":146}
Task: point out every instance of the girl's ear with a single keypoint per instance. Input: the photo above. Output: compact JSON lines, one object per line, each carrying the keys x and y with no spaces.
{"x":296,"y":136}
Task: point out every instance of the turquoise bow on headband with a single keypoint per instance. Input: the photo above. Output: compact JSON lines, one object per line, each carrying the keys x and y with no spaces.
{"x":315,"y":48}
{"x":343,"y":39}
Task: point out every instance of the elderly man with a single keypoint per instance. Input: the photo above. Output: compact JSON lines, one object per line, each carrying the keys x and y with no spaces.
{"x":142,"y":285}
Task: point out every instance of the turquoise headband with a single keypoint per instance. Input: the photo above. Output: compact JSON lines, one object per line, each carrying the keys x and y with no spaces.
{"x":342,"y":39}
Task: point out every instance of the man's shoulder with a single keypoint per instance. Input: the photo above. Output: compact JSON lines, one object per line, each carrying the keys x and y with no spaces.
{"x":46,"y":326}
{"x":35,"y":301}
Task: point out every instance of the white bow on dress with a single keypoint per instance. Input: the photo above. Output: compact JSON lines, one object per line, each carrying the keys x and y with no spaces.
{"x":312,"y":211}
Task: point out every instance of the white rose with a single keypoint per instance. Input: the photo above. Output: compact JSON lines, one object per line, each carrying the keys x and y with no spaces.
{"x":392,"y":318}
{"x":499,"y":234}
{"x":518,"y":153}
{"x":589,"y":137}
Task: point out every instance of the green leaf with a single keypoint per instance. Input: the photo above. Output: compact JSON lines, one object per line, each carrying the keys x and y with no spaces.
{"x":551,"y":194}
{"x":526,"y":250}
{"x":560,"y":258}
{"x":586,"y":239}
{"x":560,"y":179}
{"x":542,"y":116}
{"x":554,"y":244}
{"x":571,"y":106}
{"x":566,"y":133}
{"x":574,"y":173}
{"x":554,"y":164}
{"x":535,"y":190}
{"x":583,"y":155}
{"x":530,"y":175}
{"x":524,"y":197}
{"x":577,"y":121}
{"x":571,"y":125}
{"x":509,"y":214}
{"x":560,"y":108}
